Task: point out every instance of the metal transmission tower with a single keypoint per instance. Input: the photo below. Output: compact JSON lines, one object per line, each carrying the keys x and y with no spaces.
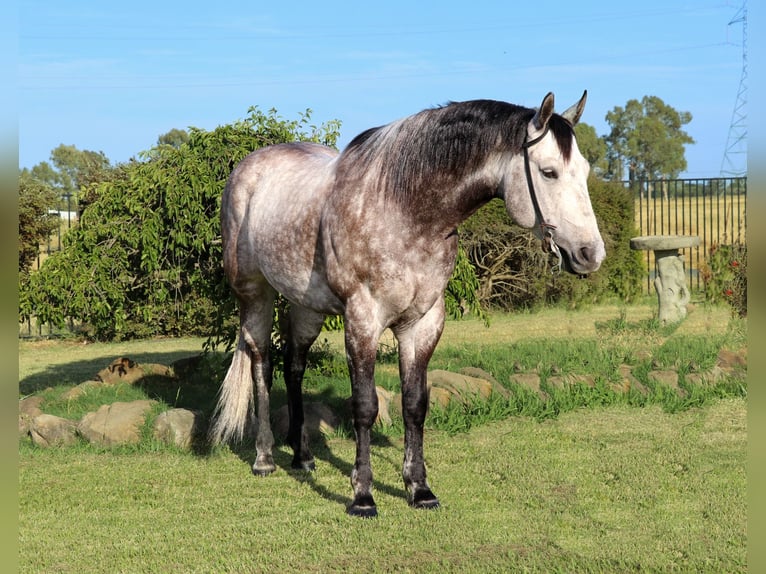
{"x":735,"y":156}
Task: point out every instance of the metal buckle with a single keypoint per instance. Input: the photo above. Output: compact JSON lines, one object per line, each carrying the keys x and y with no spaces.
{"x":550,"y":243}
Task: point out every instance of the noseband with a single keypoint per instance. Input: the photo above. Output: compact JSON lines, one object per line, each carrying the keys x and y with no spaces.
{"x":549,"y":243}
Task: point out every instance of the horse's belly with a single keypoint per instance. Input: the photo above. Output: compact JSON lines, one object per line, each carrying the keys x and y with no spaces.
{"x":289,"y":256}
{"x":311,"y":292}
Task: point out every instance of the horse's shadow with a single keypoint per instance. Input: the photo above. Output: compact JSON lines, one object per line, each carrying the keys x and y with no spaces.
{"x":190,"y":388}
{"x":322,"y":451}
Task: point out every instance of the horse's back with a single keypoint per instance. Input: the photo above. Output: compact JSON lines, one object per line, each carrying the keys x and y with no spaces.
{"x":270,"y":214}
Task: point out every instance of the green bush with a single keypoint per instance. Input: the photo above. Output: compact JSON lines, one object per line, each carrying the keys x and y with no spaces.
{"x":513,"y":272}
{"x":145,"y":259}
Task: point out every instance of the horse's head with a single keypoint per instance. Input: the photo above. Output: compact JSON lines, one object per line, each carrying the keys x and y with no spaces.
{"x":549,"y":189}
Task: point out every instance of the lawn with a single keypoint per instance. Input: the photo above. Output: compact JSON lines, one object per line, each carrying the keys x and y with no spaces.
{"x":618,"y":486}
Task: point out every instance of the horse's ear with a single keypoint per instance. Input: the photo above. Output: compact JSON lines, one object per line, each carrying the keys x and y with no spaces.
{"x":574,"y":113}
{"x":544,"y":113}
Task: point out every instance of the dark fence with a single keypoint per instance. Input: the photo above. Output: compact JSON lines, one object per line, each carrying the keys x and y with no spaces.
{"x":713,"y":209}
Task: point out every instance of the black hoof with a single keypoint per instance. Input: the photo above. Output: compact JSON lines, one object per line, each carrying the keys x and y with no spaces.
{"x":263,"y":468}
{"x":364,"y":507}
{"x":424,"y":499}
{"x":306,"y":465}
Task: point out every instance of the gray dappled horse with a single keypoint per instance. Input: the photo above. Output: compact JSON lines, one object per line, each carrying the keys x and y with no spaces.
{"x":371,"y":234}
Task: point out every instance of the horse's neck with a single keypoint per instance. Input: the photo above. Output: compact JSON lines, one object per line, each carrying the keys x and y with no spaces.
{"x":457,"y":200}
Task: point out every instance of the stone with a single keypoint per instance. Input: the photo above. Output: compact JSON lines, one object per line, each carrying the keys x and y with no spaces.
{"x":664,"y":242}
{"x":571,"y":380}
{"x":530,"y":381}
{"x":125,"y":370}
{"x":478,"y":373}
{"x":384,"y":405}
{"x":180,"y":427}
{"x":670,"y":283}
{"x":80,"y":390}
{"x":439,"y":397}
{"x":667,"y":378}
{"x":317,"y":418}
{"x":628,"y":381}
{"x":731,"y":361}
{"x":461,"y":386}
{"x":50,"y":430}
{"x":29,"y":408}
{"x":118,"y":423}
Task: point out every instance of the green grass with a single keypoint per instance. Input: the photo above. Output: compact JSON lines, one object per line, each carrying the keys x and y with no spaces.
{"x":588,"y":481}
{"x":614,"y":489}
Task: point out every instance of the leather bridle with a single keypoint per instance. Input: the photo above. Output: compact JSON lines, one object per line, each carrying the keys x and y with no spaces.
{"x":547,"y":229}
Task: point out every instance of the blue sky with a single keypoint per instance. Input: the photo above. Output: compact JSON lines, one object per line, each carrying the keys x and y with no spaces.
{"x":112,"y":77}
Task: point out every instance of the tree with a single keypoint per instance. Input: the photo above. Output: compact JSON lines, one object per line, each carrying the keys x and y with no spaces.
{"x":592,"y":147}
{"x":174,"y":138}
{"x":647,"y":138}
{"x":35,"y":223}
{"x":71,"y":174}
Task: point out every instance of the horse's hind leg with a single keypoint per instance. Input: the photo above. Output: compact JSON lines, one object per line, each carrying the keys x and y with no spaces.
{"x":300,"y":330}
{"x":250,"y":364}
{"x":416,"y":345}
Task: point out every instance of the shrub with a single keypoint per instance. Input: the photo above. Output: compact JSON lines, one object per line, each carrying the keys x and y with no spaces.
{"x":146,"y":257}
{"x":514,"y":272}
{"x":724,"y":275}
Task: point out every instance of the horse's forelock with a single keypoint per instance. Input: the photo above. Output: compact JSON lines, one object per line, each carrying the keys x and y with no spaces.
{"x":563,"y":131}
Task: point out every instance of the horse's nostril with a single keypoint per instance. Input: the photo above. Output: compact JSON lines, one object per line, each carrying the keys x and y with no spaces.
{"x":587,"y":254}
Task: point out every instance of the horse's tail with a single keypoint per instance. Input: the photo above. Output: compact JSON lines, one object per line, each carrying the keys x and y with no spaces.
{"x":236,"y":403}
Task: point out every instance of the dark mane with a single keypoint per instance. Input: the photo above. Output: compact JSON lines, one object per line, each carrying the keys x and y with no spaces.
{"x":439,"y":145}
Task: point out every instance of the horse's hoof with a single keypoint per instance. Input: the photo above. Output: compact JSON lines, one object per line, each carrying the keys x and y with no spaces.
{"x":363,"y":507}
{"x":263,"y":468}
{"x":305,"y":465}
{"x":424,"y":499}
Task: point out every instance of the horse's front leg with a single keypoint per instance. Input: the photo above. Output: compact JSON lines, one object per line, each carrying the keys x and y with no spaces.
{"x":301,"y":330}
{"x":417,"y":342}
{"x":361,"y":347}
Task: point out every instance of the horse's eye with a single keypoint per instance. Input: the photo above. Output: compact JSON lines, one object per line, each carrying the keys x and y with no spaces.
{"x":550,"y":173}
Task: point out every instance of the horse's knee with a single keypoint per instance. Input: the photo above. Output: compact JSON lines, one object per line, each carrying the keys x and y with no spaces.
{"x":415,"y":405}
{"x":365,"y":410}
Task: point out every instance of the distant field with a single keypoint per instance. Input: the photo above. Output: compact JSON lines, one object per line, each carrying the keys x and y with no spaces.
{"x":716,"y":220}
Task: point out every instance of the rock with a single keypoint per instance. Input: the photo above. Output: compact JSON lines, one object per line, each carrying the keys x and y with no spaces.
{"x":384,"y":405}
{"x":628,"y":382}
{"x":180,"y":427}
{"x":80,"y":390}
{"x":125,"y":370}
{"x":461,"y":386}
{"x":731,"y":361}
{"x":570,"y":380}
{"x":118,"y":423}
{"x":530,"y":381}
{"x":478,"y":373}
{"x":439,"y":397}
{"x":187,"y":367}
{"x":317,"y":418}
{"x":29,"y":408}
{"x":667,"y":378}
{"x":50,"y":430}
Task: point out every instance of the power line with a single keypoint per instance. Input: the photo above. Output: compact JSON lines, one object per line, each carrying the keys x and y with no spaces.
{"x":734,"y":162}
